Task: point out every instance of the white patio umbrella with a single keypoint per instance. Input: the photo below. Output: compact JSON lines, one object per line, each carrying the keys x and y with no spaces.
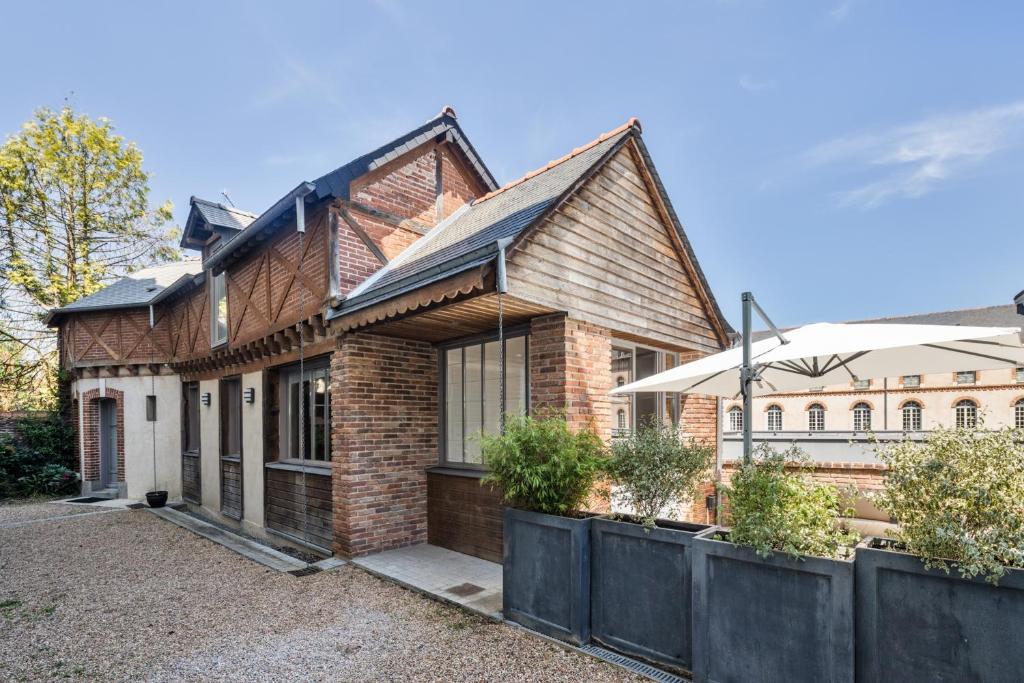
{"x":827,"y":353}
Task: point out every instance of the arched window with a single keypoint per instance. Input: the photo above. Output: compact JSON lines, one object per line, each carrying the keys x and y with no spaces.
{"x":1018,"y":414}
{"x":774,"y":419}
{"x":966,"y":414}
{"x":622,"y":418}
{"x":861,"y":417}
{"x":735,"y":419}
{"x":621,"y":381}
{"x":911,"y":416}
{"x":816,"y":418}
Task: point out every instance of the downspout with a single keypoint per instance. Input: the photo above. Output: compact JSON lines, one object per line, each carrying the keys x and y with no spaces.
{"x":502,"y":279}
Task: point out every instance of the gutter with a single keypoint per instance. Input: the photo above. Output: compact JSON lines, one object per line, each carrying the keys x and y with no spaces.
{"x":278,"y":212}
{"x":469,"y":260}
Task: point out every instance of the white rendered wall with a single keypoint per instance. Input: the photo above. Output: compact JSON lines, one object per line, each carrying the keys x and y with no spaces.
{"x":209,"y":445}
{"x":145,"y":443}
{"x":252,"y":453}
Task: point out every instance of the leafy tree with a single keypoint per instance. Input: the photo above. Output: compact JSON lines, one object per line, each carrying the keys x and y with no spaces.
{"x":656,"y":466}
{"x":958,"y":497}
{"x":773,"y":505}
{"x":541,"y":465}
{"x":74,"y":216}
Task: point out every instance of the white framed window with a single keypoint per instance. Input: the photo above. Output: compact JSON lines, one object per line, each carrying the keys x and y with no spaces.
{"x":472,"y":376}
{"x":861,"y":384}
{"x":774,"y":415}
{"x":911,"y":416}
{"x":218,"y":310}
{"x":735,"y":419}
{"x":312,"y":388}
{"x":816,"y":418}
{"x":965,"y":414}
{"x":1018,"y":375}
{"x":911,"y":381}
{"x":1018,"y":414}
{"x":966,"y":377}
{"x":861,"y":417}
{"x":620,"y":421}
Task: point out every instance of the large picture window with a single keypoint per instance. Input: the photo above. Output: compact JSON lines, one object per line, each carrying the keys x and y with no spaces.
{"x":306,"y":411}
{"x":218,"y":310}
{"x":472,"y":400}
{"x":630,"y":363}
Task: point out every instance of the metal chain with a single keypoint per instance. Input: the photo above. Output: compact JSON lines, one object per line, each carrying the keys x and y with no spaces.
{"x":302,"y":394}
{"x":501,"y":363}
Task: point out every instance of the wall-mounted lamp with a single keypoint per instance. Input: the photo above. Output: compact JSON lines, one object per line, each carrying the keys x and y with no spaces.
{"x":205,"y":398}
{"x":249,"y":395}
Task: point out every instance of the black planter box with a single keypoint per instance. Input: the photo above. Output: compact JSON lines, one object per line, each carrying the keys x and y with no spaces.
{"x":770,"y":619}
{"x":640,"y":588}
{"x":546,"y":574}
{"x":917,"y":624}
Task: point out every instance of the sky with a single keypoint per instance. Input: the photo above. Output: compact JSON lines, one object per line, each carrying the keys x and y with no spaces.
{"x":842,"y":159}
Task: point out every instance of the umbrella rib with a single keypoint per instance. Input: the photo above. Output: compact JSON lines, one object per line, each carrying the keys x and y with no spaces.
{"x":1008,"y":361}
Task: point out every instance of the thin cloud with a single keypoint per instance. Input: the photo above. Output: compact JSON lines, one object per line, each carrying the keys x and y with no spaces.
{"x":751,"y":84}
{"x":914,"y":159}
{"x":841,"y":11}
{"x":296,"y":79}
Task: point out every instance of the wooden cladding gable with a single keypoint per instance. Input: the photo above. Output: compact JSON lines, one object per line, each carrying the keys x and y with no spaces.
{"x":281,"y":283}
{"x":608,"y":256}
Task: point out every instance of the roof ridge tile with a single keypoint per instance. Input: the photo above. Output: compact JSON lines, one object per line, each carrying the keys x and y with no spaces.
{"x":633,"y":122}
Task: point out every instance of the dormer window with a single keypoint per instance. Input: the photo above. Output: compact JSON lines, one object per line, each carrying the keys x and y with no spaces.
{"x":218,"y":310}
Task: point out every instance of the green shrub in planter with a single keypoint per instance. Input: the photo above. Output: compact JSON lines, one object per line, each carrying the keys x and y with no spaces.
{"x":541,"y":465}
{"x":774,"y":505}
{"x":640,"y":565}
{"x":546,"y":471}
{"x":958,"y":497}
{"x":656,"y":466}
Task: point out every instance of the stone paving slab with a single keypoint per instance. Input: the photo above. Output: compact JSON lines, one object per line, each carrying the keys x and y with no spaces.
{"x":469,"y":582}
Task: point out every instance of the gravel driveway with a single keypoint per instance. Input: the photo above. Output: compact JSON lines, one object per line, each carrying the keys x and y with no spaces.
{"x":127,"y":596}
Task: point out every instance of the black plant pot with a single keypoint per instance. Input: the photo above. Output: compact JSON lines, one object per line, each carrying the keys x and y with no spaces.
{"x":773,"y":618}
{"x":546,"y":574}
{"x":156,"y":499}
{"x":916,"y":624}
{"x":640,"y":588}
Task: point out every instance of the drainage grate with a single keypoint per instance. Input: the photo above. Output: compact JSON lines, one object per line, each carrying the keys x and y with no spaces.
{"x":631,"y":664}
{"x":305,"y":571}
{"x":88,"y":499}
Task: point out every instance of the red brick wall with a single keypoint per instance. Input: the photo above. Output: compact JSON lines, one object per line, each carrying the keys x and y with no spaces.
{"x":457,"y":186}
{"x":355,"y":260}
{"x":90,"y":427}
{"x":570,"y":371}
{"x":384,"y":430}
{"x":406,"y":188}
{"x":700,"y":420}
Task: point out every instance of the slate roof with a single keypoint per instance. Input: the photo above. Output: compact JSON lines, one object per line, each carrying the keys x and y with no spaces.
{"x":469,"y":236}
{"x":986,"y":316}
{"x":336,"y":183}
{"x":223,"y":216}
{"x":141,"y":288}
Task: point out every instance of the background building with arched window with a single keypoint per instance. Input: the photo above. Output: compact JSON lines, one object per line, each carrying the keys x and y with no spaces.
{"x":836,"y":424}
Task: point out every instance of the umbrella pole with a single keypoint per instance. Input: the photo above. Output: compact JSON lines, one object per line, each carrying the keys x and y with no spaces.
{"x":746,"y":372}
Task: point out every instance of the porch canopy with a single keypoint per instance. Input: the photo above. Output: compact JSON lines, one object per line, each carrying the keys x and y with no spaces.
{"x":828,"y":353}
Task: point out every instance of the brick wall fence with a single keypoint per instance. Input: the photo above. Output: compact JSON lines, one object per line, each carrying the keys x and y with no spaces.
{"x":10,"y":421}
{"x":90,"y":427}
{"x":384,"y":435}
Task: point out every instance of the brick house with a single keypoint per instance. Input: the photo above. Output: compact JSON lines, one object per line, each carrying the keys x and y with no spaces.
{"x":320,"y":372}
